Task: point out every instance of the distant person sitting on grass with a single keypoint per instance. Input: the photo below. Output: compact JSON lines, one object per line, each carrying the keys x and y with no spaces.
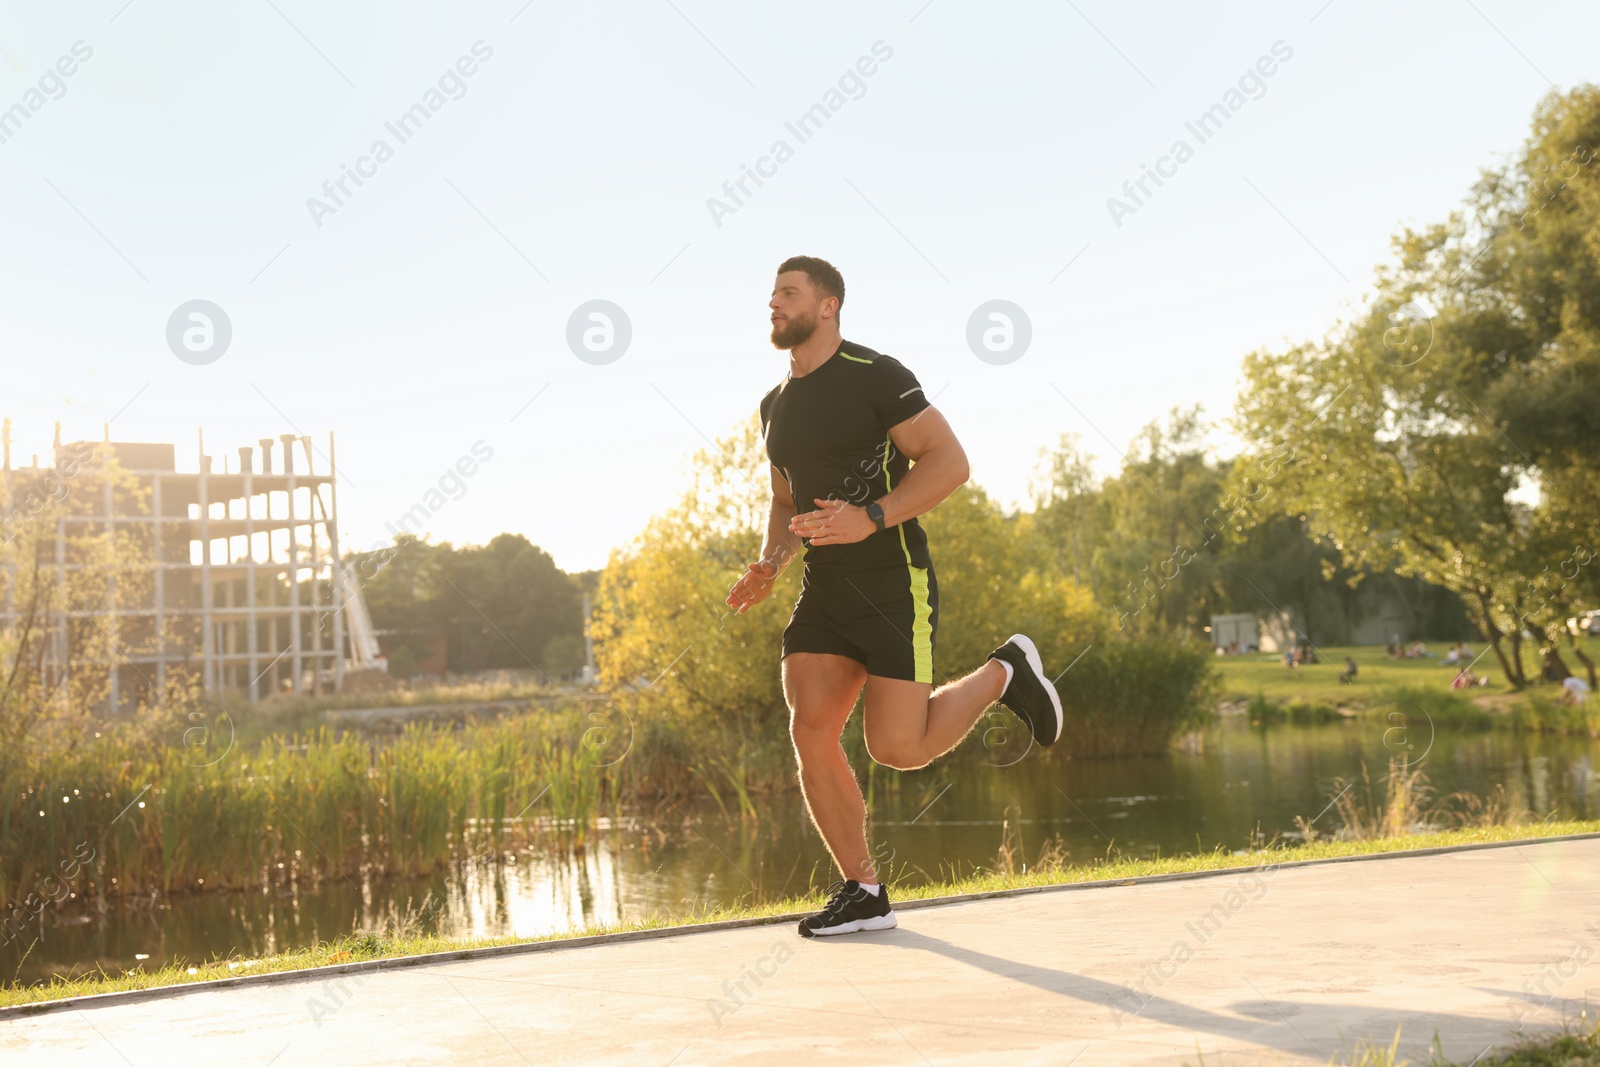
{"x":1348,"y":675}
{"x":1575,"y":691}
{"x":1288,"y":659}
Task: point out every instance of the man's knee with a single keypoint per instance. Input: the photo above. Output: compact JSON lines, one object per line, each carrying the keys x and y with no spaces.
{"x":813,"y":738}
{"x":895,"y":752}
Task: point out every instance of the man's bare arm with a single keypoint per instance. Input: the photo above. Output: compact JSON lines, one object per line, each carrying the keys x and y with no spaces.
{"x":780,"y":547}
{"x":938,"y":468}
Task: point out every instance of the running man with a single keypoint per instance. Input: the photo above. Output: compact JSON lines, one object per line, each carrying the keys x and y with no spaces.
{"x":854,"y":442}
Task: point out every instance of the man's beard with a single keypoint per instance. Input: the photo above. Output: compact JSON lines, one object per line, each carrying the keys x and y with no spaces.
{"x":793,"y":332}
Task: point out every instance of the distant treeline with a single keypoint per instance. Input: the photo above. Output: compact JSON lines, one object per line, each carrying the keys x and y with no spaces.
{"x":503,"y":605}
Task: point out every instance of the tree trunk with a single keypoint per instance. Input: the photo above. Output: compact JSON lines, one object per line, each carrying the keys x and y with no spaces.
{"x":1588,"y":664}
{"x":1550,"y":650}
{"x":1513,"y":677}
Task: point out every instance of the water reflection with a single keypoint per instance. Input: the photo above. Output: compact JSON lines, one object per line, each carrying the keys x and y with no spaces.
{"x":1238,"y":788}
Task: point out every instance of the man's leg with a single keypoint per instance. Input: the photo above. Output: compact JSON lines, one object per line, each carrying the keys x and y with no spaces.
{"x":906,"y":728}
{"x":821,"y":691}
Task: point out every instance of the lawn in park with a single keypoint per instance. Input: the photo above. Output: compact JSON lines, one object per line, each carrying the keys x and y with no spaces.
{"x":1246,"y":675}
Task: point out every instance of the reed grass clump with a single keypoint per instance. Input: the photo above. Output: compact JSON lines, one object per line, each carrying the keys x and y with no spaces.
{"x":305,"y":806}
{"x":1542,"y":714}
{"x":1403,"y":802}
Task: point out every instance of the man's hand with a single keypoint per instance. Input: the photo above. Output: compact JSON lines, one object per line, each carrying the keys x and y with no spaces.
{"x":834,"y":523}
{"x":753,"y":585}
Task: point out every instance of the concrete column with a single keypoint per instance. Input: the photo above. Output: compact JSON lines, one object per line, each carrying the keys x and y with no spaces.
{"x":160,"y":581}
{"x":297,"y":658}
{"x":333,"y":547}
{"x":252,"y":641}
{"x":208,"y":670}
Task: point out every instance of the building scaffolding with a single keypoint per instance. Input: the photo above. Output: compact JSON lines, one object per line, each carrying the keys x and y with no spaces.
{"x":232,"y":576}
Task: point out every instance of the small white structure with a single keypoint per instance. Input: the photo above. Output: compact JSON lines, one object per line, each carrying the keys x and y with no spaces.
{"x":1269,"y":633}
{"x":1243,"y":629}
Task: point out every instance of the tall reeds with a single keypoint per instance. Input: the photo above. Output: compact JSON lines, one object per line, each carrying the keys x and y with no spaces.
{"x":309,"y":806}
{"x":1403,"y":803}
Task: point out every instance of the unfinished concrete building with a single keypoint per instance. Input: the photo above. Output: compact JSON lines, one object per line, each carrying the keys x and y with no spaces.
{"x":230,"y":572}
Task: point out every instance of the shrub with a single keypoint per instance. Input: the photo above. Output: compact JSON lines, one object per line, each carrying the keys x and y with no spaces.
{"x":1542,"y":714}
{"x":1442,"y":707}
{"x":1134,"y":696}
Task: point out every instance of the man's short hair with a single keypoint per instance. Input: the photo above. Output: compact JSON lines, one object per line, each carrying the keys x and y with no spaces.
{"x":825,"y":277}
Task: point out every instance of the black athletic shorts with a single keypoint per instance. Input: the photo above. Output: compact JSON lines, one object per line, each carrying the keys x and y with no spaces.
{"x":882,"y":617}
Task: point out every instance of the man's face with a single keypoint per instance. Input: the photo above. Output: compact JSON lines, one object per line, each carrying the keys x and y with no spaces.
{"x":795,"y":309}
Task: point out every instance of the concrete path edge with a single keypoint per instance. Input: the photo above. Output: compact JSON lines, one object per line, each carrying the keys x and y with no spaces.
{"x":99,"y":1000}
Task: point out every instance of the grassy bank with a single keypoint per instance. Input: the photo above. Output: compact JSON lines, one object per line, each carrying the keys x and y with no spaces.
{"x":395,"y":943}
{"x":1536,"y":711}
{"x":1266,"y":691}
{"x":1577,"y":1044}
{"x":1245,"y":676}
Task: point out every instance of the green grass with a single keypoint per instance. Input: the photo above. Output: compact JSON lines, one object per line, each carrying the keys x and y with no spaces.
{"x":1536,"y":712}
{"x":385,"y":945}
{"x":1317,"y":685}
{"x":1576,"y":1045}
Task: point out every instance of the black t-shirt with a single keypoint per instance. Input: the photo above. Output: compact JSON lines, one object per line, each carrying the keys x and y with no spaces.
{"x":828,"y":433}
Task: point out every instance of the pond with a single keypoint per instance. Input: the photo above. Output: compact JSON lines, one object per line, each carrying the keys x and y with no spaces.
{"x":1240,"y":787}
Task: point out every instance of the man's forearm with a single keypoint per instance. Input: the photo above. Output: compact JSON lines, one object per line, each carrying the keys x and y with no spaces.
{"x":932,"y":478}
{"x":781,"y":544}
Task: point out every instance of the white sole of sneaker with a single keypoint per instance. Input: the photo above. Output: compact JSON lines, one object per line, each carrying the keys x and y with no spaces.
{"x":877,"y":922}
{"x":1031,"y":651}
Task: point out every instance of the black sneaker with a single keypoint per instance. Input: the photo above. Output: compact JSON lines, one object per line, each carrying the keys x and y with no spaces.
{"x":1031,"y":694}
{"x":850,"y":908}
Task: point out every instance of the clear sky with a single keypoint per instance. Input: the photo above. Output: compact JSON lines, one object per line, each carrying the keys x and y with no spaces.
{"x":418,"y":313}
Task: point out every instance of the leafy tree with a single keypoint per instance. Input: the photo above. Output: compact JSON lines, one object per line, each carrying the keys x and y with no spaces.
{"x":660,"y":623}
{"x":1070,"y":518}
{"x":1394,"y":429}
{"x":1164,"y":509}
{"x":500,"y":605}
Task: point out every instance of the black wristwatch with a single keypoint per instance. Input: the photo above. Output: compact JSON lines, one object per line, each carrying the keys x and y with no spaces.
{"x":875,"y":513}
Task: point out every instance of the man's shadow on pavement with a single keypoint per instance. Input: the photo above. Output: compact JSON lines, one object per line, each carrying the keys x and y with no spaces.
{"x":1128,"y":1007}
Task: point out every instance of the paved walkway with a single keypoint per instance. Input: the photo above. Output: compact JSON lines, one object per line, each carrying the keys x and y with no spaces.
{"x":1290,"y":966}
